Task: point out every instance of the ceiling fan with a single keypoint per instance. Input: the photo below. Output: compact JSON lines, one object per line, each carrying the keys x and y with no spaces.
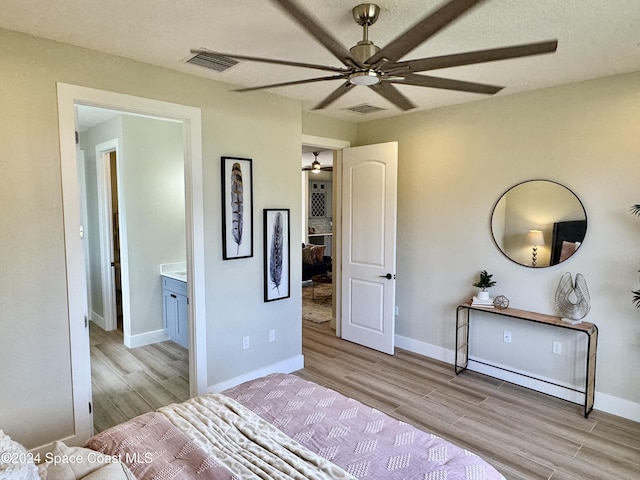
{"x":316,"y":166}
{"x":381,"y":69}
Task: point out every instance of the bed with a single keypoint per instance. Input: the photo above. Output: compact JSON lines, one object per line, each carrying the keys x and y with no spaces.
{"x":282,"y":427}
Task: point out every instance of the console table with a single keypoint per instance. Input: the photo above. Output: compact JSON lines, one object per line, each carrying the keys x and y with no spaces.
{"x":463,"y":317}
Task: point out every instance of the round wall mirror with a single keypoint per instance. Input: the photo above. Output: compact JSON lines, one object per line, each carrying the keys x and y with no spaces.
{"x":538,"y":223}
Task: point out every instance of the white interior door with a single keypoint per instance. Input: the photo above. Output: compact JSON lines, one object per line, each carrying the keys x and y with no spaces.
{"x":105,"y":219}
{"x":369,"y":191}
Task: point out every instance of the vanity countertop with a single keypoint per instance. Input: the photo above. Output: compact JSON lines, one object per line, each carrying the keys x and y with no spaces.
{"x":177,"y":271}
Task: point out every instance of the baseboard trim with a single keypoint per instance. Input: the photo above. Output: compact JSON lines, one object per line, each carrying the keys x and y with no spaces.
{"x":603,"y":402}
{"x":618,"y":406}
{"x":525,"y":379}
{"x":425,"y":349}
{"x":142,"y":339}
{"x":98,"y":320}
{"x":285,"y":366}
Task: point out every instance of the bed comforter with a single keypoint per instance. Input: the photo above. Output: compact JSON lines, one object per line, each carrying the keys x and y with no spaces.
{"x":283,"y":427}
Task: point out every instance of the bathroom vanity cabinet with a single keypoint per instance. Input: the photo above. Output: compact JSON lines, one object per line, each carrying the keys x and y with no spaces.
{"x":175,"y":310}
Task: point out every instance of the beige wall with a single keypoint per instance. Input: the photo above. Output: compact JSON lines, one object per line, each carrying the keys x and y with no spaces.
{"x":321,"y":126}
{"x":36,"y":404}
{"x":455,"y":162}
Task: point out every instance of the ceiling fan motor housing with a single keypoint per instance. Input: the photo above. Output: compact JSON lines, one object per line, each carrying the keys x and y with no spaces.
{"x":363,"y":51}
{"x":366,"y":13}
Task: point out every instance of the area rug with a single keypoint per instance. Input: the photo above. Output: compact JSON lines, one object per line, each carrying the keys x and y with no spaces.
{"x":318,"y":309}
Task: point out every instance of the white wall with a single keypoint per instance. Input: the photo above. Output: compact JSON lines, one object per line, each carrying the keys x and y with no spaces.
{"x":152,"y":189}
{"x":33,"y":296}
{"x":455,"y":162}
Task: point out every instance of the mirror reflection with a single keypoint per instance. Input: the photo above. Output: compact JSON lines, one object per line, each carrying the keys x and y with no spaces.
{"x":539,"y":223}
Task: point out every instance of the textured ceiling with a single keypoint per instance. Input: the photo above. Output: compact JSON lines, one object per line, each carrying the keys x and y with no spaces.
{"x":596,"y":38}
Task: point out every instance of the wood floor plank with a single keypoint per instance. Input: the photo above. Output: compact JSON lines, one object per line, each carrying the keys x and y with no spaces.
{"x":105,"y":413}
{"x":128,"y":382}
{"x":619,"y":433}
{"x":401,"y":380}
{"x":179,"y":386}
{"x":617,"y":469}
{"x":506,"y":461}
{"x":561,"y":410}
{"x":130,"y":403}
{"x":157,"y":367}
{"x":106,"y":377}
{"x":150,"y":390}
{"x":119,"y":358}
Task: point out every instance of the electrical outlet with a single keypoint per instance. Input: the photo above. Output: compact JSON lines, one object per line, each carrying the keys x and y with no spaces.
{"x":557,"y":348}
{"x":397,"y":310}
{"x":245,"y":343}
{"x":272,"y":335}
{"x":506,"y":338}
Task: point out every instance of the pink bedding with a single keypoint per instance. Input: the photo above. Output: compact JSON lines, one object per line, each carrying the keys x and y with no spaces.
{"x":152,"y":447}
{"x":361,"y":441}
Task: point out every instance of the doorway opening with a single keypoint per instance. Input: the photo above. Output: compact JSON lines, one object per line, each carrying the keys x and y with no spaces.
{"x":77,"y":229}
{"x":317,"y":235}
{"x":134,"y":186}
{"x":322,"y":227}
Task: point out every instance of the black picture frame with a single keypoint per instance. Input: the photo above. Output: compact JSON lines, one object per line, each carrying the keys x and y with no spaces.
{"x":277,"y":273}
{"x":237,"y":208}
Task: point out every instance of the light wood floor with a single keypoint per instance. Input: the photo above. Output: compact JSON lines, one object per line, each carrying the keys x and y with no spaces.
{"x":524,"y":434}
{"x":129,"y":382}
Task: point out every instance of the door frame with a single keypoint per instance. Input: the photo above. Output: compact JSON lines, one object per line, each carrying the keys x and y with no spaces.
{"x":68,"y":96}
{"x":336,"y":246}
{"x":105,"y":216}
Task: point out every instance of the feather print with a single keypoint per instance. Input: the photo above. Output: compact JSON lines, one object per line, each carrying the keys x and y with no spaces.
{"x":236,"y":205}
{"x":277,"y":249}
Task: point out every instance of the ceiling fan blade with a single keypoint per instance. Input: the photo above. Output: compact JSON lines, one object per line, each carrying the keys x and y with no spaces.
{"x":424,"y":29}
{"x":446,"y":84}
{"x":318,"y":32}
{"x":478,"y":56}
{"x":204,"y":53}
{"x":336,"y":94}
{"x":391,"y":93}
{"x":294,"y":82}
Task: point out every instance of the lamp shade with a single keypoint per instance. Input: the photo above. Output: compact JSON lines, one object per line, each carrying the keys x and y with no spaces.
{"x":535,"y":237}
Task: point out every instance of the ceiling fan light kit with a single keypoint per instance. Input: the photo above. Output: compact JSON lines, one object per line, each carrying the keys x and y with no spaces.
{"x":316,"y":166}
{"x":366,"y":64}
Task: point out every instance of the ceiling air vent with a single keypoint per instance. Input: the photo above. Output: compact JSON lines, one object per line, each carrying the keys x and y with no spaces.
{"x":364,"y":109}
{"x":212,"y":61}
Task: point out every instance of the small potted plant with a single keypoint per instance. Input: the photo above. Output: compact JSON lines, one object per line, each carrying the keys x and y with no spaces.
{"x":484,"y":283}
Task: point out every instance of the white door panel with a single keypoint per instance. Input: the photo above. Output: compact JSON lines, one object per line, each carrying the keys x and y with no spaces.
{"x":369,"y":177}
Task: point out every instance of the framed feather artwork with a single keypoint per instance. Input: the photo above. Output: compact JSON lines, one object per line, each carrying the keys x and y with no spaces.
{"x":277,"y":254}
{"x":237,"y":208}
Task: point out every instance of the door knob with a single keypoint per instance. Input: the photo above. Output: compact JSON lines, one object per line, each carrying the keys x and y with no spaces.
{"x":388,"y":276}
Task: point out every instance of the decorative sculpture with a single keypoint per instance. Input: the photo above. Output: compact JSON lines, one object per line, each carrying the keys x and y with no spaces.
{"x":501,"y":302}
{"x":572,"y":298}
